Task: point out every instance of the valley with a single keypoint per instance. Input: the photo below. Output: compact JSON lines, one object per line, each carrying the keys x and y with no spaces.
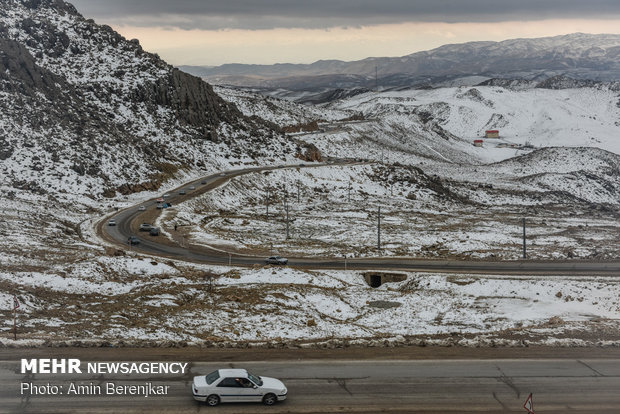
{"x":95,"y":125}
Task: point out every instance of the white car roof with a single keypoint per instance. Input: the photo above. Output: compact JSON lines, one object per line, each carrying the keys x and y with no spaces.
{"x":233,"y":373}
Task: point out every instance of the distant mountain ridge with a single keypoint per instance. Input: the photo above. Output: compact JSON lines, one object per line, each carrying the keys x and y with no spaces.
{"x":577,"y":55}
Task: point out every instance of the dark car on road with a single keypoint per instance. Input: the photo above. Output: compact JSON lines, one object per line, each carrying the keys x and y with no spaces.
{"x":112,"y":222}
{"x":276,"y":260}
{"x":132,"y":240}
{"x":154,"y":231}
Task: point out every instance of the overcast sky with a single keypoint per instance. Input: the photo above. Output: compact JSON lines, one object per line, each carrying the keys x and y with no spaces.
{"x":213,"y":32}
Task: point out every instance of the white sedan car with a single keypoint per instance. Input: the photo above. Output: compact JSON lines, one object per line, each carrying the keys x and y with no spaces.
{"x":237,"y":385}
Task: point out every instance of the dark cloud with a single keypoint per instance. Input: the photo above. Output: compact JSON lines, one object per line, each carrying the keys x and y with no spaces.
{"x":265,"y":14}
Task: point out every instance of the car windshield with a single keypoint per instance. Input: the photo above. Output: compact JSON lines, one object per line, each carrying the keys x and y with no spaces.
{"x":212,"y":377}
{"x":255,"y":379}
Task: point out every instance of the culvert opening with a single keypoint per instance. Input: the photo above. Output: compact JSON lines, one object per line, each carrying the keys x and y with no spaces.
{"x":376,"y":279}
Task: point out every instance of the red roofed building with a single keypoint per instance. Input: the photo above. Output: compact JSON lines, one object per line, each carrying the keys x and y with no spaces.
{"x":491,"y":133}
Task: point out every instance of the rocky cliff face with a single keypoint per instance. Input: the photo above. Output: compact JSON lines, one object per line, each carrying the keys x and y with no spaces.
{"x":86,"y":110}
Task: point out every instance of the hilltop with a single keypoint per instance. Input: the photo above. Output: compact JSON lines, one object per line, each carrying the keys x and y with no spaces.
{"x":87,"y":111}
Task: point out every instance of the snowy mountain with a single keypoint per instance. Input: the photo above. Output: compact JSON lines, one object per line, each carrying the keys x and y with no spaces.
{"x":86,"y":111}
{"x":578,"y":55}
{"x":443,"y":123}
{"x":558,"y":138}
{"x":90,"y":123}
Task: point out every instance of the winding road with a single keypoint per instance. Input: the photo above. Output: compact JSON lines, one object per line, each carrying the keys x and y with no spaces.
{"x":128,"y":221}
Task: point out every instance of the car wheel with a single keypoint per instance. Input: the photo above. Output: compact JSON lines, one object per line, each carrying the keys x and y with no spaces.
{"x":270,"y":399}
{"x":213,"y":400}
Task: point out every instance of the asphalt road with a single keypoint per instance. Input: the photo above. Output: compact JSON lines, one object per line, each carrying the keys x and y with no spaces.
{"x":129,"y":219}
{"x":428,"y":386}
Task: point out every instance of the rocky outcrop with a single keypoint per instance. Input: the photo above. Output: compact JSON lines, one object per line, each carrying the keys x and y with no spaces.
{"x":59,"y":5}
{"x":564,"y":82}
{"x":307,"y":127}
{"x":309,"y":153}
{"x":195,"y":103}
{"x":19,"y":72}
{"x":85,"y":104}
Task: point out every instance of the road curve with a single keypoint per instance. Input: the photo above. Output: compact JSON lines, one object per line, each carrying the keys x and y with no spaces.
{"x":128,"y":219}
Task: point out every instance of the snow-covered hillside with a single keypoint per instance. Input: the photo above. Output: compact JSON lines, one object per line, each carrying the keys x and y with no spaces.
{"x":86,"y":111}
{"x":584,"y":117}
{"x":554,"y":145}
{"x":281,"y":112}
{"x":90,"y":124}
{"x":467,"y":201}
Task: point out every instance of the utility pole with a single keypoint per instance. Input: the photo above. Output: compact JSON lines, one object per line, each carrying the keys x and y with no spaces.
{"x":267,"y":203}
{"x":379,"y":229}
{"x":524,"y":248}
{"x":298,"y":184}
{"x":209,"y":281}
{"x":209,"y":284}
{"x":287,"y":219}
{"x":15,"y":306}
{"x":349,"y":195}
